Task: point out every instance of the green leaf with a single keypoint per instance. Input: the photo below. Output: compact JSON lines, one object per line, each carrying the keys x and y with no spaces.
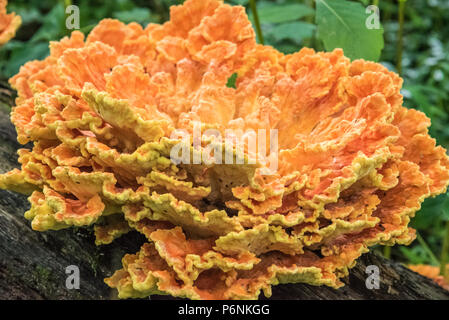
{"x":343,"y":24}
{"x":240,"y":2}
{"x":445,"y":213}
{"x":295,"y":31}
{"x":430,"y":214}
{"x":140,"y":15}
{"x":25,"y":53}
{"x":232,"y":81}
{"x":287,"y":48}
{"x":28,"y":15}
{"x":53,"y":26}
{"x":277,"y":13}
{"x":415,"y":255}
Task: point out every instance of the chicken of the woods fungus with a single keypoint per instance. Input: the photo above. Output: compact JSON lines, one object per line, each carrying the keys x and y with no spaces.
{"x":104,"y":115}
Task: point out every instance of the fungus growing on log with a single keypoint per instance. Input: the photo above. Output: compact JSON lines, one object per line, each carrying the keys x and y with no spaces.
{"x":352,"y":164}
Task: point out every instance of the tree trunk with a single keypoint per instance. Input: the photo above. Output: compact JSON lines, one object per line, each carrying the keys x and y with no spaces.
{"x":33,"y":264}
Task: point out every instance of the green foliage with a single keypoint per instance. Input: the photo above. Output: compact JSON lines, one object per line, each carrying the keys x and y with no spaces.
{"x":140,"y":15}
{"x":281,"y":23}
{"x":342,"y":24}
{"x":231,"y":81}
{"x":415,"y":255}
{"x":445,"y":209}
{"x":294,"y":31}
{"x":280,"y":13}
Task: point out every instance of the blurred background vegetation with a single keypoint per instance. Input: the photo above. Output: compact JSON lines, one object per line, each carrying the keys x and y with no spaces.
{"x":289,"y":25}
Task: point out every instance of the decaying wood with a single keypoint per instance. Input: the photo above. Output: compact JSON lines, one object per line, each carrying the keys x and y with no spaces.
{"x":33,"y":264}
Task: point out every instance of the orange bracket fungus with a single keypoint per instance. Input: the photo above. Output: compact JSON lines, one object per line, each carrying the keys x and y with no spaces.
{"x":103,"y":113}
{"x":9,"y":23}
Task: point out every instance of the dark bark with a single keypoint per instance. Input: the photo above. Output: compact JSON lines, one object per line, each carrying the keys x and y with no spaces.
{"x":33,"y":264}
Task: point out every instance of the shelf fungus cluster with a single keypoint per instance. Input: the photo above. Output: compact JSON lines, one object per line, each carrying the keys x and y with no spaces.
{"x":9,"y":23}
{"x":353,"y":164}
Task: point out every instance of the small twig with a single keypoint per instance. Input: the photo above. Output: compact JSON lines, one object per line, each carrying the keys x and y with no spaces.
{"x":387,"y":252}
{"x":66,"y":4}
{"x":312,"y":40}
{"x":400,"y":43}
{"x":252,"y":4}
{"x":445,"y":253}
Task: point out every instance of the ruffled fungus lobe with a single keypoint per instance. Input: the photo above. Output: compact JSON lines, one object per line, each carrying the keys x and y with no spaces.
{"x":354,"y":165}
{"x":9,"y":23}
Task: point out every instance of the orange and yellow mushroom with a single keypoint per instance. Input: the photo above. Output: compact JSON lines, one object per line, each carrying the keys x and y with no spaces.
{"x":353,"y":164}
